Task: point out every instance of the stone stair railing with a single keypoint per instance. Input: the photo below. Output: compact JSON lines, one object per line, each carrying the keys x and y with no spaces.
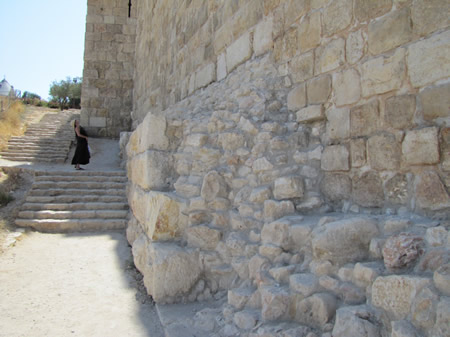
{"x":75,"y":201}
{"x":49,"y":140}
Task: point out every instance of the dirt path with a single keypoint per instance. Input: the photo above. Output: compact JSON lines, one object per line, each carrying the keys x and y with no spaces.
{"x":58,"y":285}
{"x":72,"y":285}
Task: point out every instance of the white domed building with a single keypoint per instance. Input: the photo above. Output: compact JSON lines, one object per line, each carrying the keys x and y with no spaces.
{"x":5,"y":88}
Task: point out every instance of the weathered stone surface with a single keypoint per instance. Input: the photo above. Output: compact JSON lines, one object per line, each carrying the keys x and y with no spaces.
{"x":214,"y":186}
{"x":305,"y":284}
{"x":442,"y":326}
{"x":203,"y":237}
{"x":311,"y":113}
{"x":150,"y":134}
{"x":395,"y":225}
{"x":319,"y":89}
{"x":336,"y":187}
{"x":402,"y":250}
{"x":335,"y":158}
{"x":282,"y":274}
{"x":309,"y":32}
{"x":257,"y":264}
{"x":435,"y":102}
{"x":391,"y":31}
{"x":399,"y":111}
{"x":367,"y":9}
{"x":302,"y":67}
{"x":245,"y":320}
{"x":429,"y":16}
{"x":261,"y":165}
{"x":358,"y":152}
{"x":383,"y":74}
{"x":423,"y":56}
{"x":275,"y":210}
{"x":171,"y":271}
{"x":421,"y":146}
{"x":260,"y":194}
{"x":356,"y":321}
{"x":441,"y":278}
{"x":276,"y":233}
{"x":436,"y":236}
{"x":238,"y":297}
{"x":364,"y":119}
{"x":188,"y":187}
{"x":231,"y":140}
{"x":365,"y":273}
{"x":337,"y":16}
{"x":262,"y":40}
{"x":275,"y":303}
{"x":205,"y":76}
{"x":383,"y":152}
{"x":330,"y":56}
{"x":239,"y":51}
{"x":151,"y":170}
{"x":338,"y":123}
{"x":347,"y":87}
{"x":345,"y":240}
{"x":403,"y":329}
{"x":395,"y":294}
{"x":397,"y":189}
{"x":288,"y":188}
{"x":423,"y":310}
{"x":368,"y":190}
{"x":430,"y":192}
{"x":315,"y":310}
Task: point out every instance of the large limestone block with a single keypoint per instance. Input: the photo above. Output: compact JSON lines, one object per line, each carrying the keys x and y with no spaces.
{"x":337,"y":16}
{"x":205,"y":159}
{"x":330,"y":56}
{"x":364,"y":119}
{"x":431,"y":193}
{"x":421,"y":147}
{"x":395,"y":294}
{"x":358,"y":152}
{"x":383,"y":152}
{"x":150,"y":134}
{"x":429,"y":16}
{"x":311,"y":113}
{"x":277,"y":209}
{"x":369,"y":9}
{"x":347,"y":87}
{"x":296,"y":98}
{"x":403,"y":328}
{"x":344,"y":240}
{"x":436,"y":102}
{"x":368,"y":190}
{"x":441,"y":278}
{"x":442,"y":325}
{"x":160,"y":214}
{"x":205,"y":76}
{"x":429,"y":60}
{"x":335,"y":158}
{"x":238,"y":52}
{"x":399,"y":111}
{"x":356,"y":321}
{"x":288,"y":188}
{"x":383,"y":74}
{"x":301,"y":67}
{"x":203,"y":237}
{"x":231,"y":140}
{"x":263,"y":40}
{"x":150,"y":170}
{"x":336,"y":187}
{"x":309,"y":32}
{"x":171,"y":272}
{"x":319,"y":89}
{"x":338,"y":123}
{"x":390,"y":31}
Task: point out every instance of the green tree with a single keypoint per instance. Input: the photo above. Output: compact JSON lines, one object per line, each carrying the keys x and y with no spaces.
{"x":67,"y":93}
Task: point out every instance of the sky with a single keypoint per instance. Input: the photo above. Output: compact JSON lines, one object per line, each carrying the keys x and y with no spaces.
{"x":41,"y":41}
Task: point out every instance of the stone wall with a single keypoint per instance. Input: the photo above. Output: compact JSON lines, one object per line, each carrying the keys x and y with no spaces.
{"x":295,"y":154}
{"x":107,"y":92}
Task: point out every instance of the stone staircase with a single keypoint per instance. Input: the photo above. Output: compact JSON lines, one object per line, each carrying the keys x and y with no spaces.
{"x":48,"y":140}
{"x":68,"y":201}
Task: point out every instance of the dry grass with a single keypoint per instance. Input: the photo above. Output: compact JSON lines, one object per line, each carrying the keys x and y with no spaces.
{"x":11,"y":123}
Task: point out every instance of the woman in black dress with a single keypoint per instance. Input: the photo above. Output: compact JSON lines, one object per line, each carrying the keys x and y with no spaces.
{"x":82,"y":155}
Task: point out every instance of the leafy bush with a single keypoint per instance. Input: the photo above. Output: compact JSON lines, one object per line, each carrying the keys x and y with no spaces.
{"x":5,"y":198}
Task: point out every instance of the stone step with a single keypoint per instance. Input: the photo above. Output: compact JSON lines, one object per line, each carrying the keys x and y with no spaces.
{"x":61,"y":199}
{"x":72,"y":225}
{"x":118,"y":173}
{"x":74,"y":206}
{"x":81,"y":178}
{"x":77,"y":214}
{"x":66,"y":192}
{"x":48,"y":152}
{"x":34,"y":159}
{"x":77,"y":185}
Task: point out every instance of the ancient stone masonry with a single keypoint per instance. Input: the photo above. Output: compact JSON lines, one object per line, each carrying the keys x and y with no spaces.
{"x":106,"y":101}
{"x":294,"y":155}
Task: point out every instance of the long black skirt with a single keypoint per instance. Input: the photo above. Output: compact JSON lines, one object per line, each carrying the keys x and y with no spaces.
{"x":82,"y":154}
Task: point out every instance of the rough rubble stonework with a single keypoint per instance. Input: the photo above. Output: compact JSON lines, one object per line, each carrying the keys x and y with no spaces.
{"x":301,"y":150}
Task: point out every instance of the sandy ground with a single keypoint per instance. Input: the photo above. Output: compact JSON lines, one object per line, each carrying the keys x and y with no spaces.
{"x":74,"y":284}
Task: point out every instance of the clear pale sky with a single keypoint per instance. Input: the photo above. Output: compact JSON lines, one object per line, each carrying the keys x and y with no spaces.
{"x":41,"y":41}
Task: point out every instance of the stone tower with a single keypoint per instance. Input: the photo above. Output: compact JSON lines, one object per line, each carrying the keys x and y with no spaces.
{"x":107,"y":92}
